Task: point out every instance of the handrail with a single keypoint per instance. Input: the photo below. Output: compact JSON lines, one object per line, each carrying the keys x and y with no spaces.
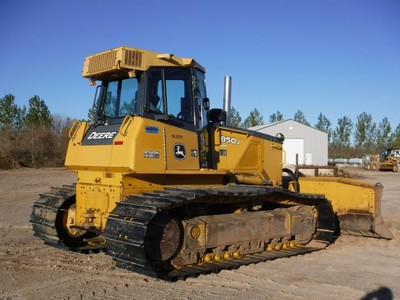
{"x":123,"y":130}
{"x":74,"y":128}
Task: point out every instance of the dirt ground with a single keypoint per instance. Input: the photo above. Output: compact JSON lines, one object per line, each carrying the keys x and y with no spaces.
{"x":351,"y":268}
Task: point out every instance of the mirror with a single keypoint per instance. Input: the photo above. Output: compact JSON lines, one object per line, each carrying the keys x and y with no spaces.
{"x":206,"y":104}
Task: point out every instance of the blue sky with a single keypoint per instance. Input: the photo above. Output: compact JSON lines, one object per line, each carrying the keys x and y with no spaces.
{"x":337,"y":57}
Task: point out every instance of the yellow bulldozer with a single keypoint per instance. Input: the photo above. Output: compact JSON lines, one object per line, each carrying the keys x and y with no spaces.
{"x":169,"y":189}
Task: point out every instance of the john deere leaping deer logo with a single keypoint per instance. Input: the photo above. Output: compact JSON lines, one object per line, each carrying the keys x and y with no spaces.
{"x":180,"y":151}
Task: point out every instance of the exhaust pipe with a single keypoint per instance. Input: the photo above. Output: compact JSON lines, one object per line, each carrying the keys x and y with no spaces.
{"x":227,"y":98}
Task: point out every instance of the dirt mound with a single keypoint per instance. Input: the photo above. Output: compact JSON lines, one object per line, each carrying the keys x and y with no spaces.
{"x":7,"y":162}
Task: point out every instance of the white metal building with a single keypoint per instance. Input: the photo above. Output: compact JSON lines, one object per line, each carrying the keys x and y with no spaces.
{"x":309,"y":143}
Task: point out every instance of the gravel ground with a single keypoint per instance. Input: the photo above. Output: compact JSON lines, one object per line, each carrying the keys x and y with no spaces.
{"x":351,"y":268}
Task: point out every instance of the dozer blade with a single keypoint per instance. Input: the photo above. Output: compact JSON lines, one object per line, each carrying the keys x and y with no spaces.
{"x":356,"y":203}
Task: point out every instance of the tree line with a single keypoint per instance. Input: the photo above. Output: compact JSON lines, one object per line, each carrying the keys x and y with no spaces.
{"x":346,"y":139}
{"x":33,"y":137}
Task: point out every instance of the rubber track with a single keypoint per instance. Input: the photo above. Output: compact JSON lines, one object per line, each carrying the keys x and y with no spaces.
{"x":127,"y":226}
{"x":44,"y":214}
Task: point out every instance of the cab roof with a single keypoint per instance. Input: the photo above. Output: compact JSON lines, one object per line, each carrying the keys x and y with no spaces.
{"x":126,"y":60}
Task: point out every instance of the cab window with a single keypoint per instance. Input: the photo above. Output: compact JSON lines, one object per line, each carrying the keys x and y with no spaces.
{"x":120,"y":98}
{"x":169,"y":93}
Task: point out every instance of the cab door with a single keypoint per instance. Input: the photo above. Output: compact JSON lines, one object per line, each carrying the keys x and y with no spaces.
{"x":171,"y":101}
{"x":182,"y":149}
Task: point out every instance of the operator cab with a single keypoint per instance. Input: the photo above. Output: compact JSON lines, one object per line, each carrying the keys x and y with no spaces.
{"x":173,"y":95}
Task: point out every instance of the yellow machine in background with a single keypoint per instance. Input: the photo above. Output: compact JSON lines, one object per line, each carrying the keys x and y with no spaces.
{"x":387,"y":160}
{"x":170,"y":190}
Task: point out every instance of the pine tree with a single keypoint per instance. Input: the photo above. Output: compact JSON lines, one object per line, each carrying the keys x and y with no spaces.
{"x":254,"y":119}
{"x":299,"y":117}
{"x":235,"y":118}
{"x":276,"y":117}
{"x":324,"y":125}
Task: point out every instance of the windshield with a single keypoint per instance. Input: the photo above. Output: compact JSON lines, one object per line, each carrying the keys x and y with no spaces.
{"x":172,"y":95}
{"x":120,"y":98}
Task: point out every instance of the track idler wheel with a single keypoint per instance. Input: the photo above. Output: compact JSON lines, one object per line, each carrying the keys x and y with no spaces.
{"x":72,"y":237}
{"x":163,"y":238}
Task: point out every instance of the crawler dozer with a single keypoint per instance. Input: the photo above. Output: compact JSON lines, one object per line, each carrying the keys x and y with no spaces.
{"x":169,"y":189}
